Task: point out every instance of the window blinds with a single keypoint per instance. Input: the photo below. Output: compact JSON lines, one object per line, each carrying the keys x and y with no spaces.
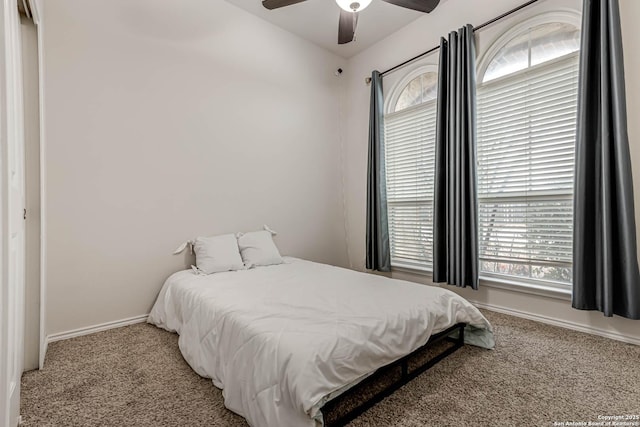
{"x":410,"y":158}
{"x":526,"y":144}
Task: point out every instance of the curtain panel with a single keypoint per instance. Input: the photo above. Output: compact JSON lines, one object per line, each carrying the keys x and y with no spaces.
{"x":378,"y":255}
{"x":455,"y":228}
{"x":605,"y":264}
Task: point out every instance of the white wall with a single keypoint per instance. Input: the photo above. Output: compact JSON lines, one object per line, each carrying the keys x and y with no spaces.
{"x":166,"y":120}
{"x":424,"y":34}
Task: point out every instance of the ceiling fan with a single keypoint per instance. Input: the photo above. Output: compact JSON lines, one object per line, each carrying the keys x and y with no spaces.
{"x":349,"y":10}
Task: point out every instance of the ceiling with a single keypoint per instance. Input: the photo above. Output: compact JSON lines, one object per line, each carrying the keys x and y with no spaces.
{"x":317,"y":21}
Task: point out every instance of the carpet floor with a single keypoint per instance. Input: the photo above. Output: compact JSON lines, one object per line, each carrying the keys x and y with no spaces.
{"x":537,"y":375}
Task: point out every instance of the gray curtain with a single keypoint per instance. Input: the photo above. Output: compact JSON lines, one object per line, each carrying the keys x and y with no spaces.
{"x":378,"y":254}
{"x":455,"y":222}
{"x":605,"y":266}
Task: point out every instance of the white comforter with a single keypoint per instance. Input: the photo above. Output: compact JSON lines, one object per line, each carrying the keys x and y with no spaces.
{"x":279,"y":340}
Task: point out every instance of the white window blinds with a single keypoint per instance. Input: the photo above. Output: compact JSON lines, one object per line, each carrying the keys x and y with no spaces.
{"x":410,"y":157}
{"x":526,"y":144}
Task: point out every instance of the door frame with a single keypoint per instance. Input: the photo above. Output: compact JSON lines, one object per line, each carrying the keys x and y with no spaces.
{"x":37,"y":9}
{"x":4,"y":286}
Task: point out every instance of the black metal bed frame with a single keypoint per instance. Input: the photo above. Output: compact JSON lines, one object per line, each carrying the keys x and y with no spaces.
{"x":405,"y":377}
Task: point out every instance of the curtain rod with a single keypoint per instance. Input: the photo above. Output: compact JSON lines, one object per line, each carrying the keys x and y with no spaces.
{"x":433,"y":49}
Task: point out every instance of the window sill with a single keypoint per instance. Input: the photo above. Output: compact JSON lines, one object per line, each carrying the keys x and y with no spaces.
{"x":539,"y":289}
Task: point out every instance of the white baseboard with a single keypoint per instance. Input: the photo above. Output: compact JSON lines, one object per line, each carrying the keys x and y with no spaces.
{"x":516,"y":313}
{"x":96,"y":328}
{"x":560,"y":323}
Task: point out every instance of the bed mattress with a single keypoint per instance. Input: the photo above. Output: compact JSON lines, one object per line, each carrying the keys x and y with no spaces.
{"x":281,"y":340}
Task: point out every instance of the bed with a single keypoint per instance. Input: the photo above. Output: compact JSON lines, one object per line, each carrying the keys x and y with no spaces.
{"x":281,"y":341}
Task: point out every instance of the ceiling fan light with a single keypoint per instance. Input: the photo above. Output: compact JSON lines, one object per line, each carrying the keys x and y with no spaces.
{"x":353,"y":5}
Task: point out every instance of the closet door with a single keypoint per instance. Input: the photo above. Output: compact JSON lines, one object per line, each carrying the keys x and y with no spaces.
{"x":12,"y":195}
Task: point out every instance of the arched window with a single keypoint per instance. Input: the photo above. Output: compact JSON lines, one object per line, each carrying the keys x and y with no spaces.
{"x":527,"y":109}
{"x":536,"y":45}
{"x":419,"y":90}
{"x":410,"y":132}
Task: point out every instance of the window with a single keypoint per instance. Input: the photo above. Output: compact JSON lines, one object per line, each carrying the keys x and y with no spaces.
{"x":527,"y":108}
{"x":410,"y":133}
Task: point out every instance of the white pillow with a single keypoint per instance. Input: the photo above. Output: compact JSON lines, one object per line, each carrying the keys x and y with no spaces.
{"x":218,"y":253}
{"x":257,"y":249}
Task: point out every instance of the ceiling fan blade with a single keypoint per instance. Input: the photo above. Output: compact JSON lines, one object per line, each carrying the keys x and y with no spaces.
{"x":425,"y":6}
{"x":276,"y":4}
{"x":347,"y":26}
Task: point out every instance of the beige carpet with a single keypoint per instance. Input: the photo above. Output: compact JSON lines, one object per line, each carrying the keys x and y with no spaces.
{"x":538,"y":374}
